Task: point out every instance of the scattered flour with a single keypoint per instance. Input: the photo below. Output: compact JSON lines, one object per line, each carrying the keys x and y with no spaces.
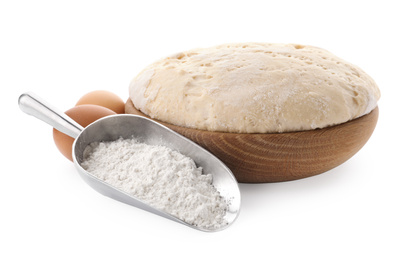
{"x":163,"y":178}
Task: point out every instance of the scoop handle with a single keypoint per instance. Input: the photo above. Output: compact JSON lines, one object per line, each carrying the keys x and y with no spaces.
{"x":35,"y":106}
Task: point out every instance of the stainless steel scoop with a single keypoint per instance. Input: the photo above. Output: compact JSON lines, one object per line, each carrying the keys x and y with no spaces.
{"x":145,"y":130}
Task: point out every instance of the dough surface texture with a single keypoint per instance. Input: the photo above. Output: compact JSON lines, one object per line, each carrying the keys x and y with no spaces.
{"x":254,"y":88}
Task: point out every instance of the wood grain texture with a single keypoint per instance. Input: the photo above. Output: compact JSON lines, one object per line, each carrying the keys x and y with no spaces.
{"x":259,"y":158}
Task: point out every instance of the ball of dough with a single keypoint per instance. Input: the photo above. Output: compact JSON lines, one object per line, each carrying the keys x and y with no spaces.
{"x":254,"y":88}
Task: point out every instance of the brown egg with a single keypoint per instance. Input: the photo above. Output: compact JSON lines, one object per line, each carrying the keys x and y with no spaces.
{"x":105,"y":99}
{"x":83,"y":115}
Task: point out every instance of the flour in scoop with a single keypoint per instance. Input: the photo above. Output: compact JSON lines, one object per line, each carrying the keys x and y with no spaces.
{"x":160,"y":176}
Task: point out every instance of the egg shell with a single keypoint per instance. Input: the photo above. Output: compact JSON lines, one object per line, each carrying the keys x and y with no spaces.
{"x":83,"y":115}
{"x":105,"y":99}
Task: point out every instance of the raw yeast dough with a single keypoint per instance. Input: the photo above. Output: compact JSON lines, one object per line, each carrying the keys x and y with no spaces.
{"x":254,"y":88}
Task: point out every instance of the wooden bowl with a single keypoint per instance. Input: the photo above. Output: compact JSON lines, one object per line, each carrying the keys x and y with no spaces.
{"x":257,"y":158}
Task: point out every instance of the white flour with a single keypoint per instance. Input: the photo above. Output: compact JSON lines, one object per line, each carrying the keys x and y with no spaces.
{"x":163,"y":178}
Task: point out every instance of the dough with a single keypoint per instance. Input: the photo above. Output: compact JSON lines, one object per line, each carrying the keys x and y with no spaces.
{"x":254,"y":88}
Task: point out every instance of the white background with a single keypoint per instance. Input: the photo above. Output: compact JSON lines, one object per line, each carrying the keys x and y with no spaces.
{"x":64,"y":49}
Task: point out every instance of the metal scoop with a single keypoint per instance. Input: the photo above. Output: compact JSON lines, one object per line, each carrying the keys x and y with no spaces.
{"x":145,"y":130}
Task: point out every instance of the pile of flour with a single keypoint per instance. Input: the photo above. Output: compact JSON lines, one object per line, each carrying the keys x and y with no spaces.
{"x":163,"y":178}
